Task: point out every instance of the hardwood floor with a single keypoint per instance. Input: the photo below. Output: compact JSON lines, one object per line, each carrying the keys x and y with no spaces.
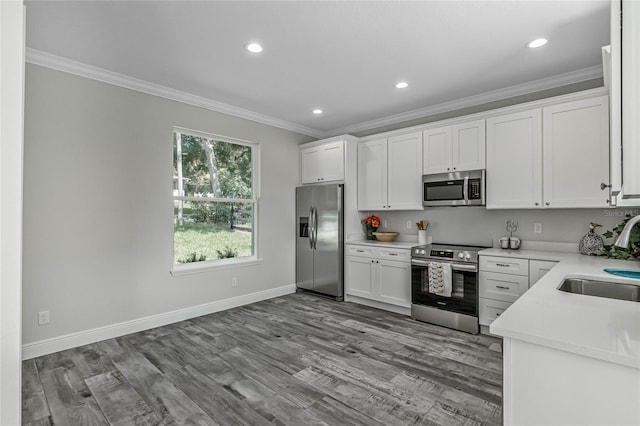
{"x":293,"y":360}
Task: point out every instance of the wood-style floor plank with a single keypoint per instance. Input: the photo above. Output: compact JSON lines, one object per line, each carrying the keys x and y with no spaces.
{"x":34,"y":403}
{"x":292,"y":360}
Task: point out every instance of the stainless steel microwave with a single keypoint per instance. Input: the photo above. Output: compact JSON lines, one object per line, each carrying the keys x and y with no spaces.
{"x":454,"y":189}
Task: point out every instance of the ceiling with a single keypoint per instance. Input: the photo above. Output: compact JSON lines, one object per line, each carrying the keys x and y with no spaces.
{"x":341,"y":56}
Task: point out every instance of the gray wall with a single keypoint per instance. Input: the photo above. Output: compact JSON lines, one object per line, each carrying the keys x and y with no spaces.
{"x":478,"y":226}
{"x":98,"y":229}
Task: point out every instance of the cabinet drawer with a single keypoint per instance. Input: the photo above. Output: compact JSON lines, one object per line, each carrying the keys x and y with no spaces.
{"x":366,"y":251}
{"x":491,"y":309}
{"x":395,"y":254}
{"x":506,"y":265}
{"x":504,"y":287}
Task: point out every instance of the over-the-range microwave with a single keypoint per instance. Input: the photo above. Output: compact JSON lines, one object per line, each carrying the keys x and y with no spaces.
{"x":454,"y":189}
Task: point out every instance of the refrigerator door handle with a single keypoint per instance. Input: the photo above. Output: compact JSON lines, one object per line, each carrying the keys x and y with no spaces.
{"x":315,"y":228}
{"x":311,"y":226}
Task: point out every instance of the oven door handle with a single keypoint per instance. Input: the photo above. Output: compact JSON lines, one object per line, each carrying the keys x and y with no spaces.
{"x":454,"y":266}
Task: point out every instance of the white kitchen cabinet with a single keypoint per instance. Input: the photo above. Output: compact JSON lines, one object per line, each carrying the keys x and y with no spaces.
{"x":551,"y":157}
{"x":576,"y":153}
{"x":623,"y":81}
{"x":501,"y":281}
{"x":359,"y":276}
{"x":322,"y":163}
{"x":390,"y":173}
{"x":514,"y":160}
{"x":379,"y":274}
{"x":459,"y":147}
{"x":548,"y":386}
{"x":537,"y":269}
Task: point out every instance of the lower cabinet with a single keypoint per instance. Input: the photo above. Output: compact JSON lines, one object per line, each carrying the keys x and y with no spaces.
{"x":378,"y":273}
{"x":503,"y":280}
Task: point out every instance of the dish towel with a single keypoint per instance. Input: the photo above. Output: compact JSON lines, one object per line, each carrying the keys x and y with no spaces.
{"x":440,"y":279}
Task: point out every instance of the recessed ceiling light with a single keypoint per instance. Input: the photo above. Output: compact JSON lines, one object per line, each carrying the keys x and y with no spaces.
{"x":317,"y":111}
{"x":402,"y":85}
{"x":253,"y":47}
{"x":539,"y":42}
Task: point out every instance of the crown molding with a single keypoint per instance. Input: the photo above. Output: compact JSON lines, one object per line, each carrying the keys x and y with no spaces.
{"x":60,"y":63}
{"x":482,"y":98}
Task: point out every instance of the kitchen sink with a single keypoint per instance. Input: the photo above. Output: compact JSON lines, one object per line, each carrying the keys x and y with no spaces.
{"x":610,"y":290}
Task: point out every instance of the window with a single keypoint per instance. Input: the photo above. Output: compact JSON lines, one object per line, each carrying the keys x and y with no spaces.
{"x":215,"y":198}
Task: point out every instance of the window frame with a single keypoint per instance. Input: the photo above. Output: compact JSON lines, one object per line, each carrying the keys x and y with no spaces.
{"x":213,"y":264}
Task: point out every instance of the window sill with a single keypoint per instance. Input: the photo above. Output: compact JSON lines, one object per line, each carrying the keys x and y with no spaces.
{"x":200,"y":267}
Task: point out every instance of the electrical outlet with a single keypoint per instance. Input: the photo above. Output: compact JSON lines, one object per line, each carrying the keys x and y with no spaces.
{"x":409,"y":224}
{"x":384,"y":223}
{"x":234,"y":282}
{"x":43,"y":317}
{"x":537,"y":228}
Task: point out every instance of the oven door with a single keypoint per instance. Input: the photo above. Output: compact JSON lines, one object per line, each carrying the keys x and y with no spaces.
{"x":464,"y":283}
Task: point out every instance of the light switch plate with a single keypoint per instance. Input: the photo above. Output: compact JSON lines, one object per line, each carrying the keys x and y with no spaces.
{"x":537,"y":228}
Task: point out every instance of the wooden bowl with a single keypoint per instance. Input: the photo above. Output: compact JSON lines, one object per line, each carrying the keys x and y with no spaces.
{"x":385,"y":237}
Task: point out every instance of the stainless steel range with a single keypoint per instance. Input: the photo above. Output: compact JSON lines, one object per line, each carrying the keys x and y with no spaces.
{"x":444,"y":286}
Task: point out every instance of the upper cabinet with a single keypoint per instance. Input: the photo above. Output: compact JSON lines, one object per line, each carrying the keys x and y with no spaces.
{"x":454,"y":148}
{"x":322,"y":163}
{"x":571,"y":140}
{"x":623,"y":80}
{"x":390,"y":173}
{"x":514,"y":160}
{"x":575,"y":147}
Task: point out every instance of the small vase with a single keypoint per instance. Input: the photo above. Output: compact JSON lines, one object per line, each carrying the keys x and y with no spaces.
{"x":592,"y":243}
{"x":368,"y":231}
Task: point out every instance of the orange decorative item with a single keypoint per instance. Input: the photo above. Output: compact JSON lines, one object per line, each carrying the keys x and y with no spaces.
{"x":371,"y":224}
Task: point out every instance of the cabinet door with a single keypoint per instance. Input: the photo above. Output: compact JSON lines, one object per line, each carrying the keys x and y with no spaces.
{"x":514,"y":160}
{"x":372,"y":175}
{"x":630,"y":99}
{"x":436,"y":150}
{"x":404,"y":172}
{"x":468,"y":140}
{"x":359,"y":276}
{"x":537,"y":269}
{"x":310,"y":162}
{"x":576,"y":153}
{"x":394,"y":282}
{"x":332,"y":162}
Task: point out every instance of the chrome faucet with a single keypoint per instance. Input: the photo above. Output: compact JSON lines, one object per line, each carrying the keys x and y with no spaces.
{"x":623,"y":239}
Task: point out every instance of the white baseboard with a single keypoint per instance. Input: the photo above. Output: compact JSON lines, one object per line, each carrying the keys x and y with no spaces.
{"x":56,"y":344}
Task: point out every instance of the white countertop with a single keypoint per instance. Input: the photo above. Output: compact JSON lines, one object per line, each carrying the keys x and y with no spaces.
{"x":394,"y":244}
{"x":596,"y":327}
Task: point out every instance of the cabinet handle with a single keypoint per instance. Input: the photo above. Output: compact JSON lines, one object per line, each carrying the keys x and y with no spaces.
{"x":604,"y":185}
{"x":502,"y":265}
{"x":388,"y":206}
{"x":360,"y":251}
{"x":454,"y":168}
{"x":547,"y":203}
{"x":502,"y":287}
{"x":537,"y":204}
{"x":393,"y":254}
{"x":497,"y":314}
{"x":448,"y":169}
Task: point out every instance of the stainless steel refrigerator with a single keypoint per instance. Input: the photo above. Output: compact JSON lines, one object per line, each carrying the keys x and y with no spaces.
{"x":319,"y":239}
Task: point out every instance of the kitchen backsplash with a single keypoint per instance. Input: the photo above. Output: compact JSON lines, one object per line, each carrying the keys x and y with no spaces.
{"x":478,"y":226}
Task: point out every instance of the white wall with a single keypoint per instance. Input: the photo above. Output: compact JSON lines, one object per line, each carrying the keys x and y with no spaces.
{"x":98,"y":209}
{"x":11,"y":121}
{"x":478,"y":226}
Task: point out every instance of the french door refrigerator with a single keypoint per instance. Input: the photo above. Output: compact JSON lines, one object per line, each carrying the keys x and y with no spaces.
{"x":319,"y":239}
